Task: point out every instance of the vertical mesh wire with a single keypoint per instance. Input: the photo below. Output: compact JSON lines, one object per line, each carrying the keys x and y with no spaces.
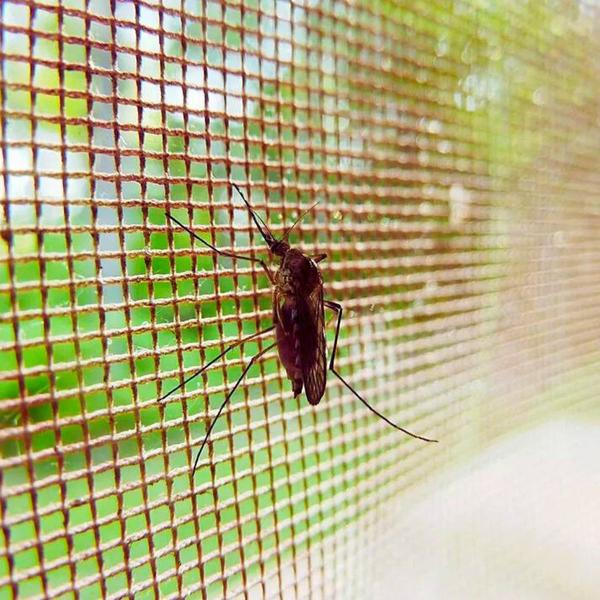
{"x":453,"y":151}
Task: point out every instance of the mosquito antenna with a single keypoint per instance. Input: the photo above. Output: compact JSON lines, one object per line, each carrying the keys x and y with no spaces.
{"x":302,"y":215}
{"x":266,"y":232}
{"x":227,"y":399}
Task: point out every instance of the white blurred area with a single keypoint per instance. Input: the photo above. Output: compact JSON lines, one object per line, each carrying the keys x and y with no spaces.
{"x":520,"y":521}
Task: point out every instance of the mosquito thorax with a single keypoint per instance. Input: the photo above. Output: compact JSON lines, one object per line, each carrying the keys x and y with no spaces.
{"x":298,"y":274}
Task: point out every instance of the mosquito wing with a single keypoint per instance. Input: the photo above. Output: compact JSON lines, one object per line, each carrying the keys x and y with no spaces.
{"x":314,"y":360}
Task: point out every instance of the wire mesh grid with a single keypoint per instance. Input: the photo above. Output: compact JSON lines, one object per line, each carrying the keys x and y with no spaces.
{"x":453,"y":148}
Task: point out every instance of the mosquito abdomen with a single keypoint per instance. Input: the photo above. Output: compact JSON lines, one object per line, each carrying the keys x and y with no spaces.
{"x":288,"y":340}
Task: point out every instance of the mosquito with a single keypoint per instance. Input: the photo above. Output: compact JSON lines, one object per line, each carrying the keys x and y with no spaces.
{"x":298,"y":321}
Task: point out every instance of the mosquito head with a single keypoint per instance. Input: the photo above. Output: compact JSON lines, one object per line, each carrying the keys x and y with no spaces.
{"x":279,"y":247}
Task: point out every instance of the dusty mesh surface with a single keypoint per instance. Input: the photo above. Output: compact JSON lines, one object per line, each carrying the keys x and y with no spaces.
{"x":453,"y":149}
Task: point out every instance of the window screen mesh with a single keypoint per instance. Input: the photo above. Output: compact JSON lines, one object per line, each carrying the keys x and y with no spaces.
{"x":452,"y":148}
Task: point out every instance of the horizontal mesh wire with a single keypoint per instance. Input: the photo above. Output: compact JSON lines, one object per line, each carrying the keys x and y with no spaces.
{"x":452,"y":148}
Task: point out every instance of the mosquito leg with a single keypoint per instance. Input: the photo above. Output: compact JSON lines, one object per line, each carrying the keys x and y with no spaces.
{"x":229,"y":395}
{"x":214,"y":360}
{"x":339,"y":310}
{"x":223,"y":252}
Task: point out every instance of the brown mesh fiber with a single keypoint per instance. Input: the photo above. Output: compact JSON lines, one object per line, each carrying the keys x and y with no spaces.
{"x":453,"y":149}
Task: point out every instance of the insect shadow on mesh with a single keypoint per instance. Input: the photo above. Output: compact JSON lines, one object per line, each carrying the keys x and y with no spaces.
{"x":298,"y":321}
